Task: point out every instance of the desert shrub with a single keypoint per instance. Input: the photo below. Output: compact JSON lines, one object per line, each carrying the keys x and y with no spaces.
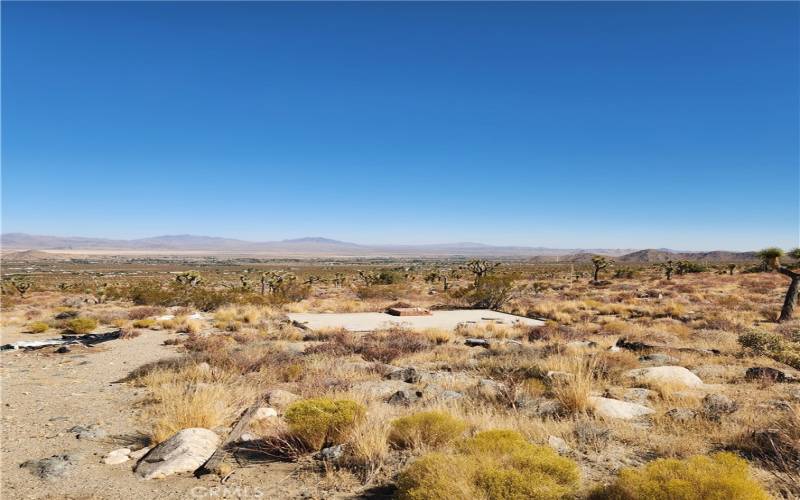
{"x":37,"y":327}
{"x":552,"y":330}
{"x":144,"y":323}
{"x":494,"y":464}
{"x":384,"y":346}
{"x":322,"y":422}
{"x":625,"y":273}
{"x":429,"y":428}
{"x":144,"y":312}
{"x":780,"y":348}
{"x":385,"y":292}
{"x":722,"y":475}
{"x":490,"y":292}
{"x":81,"y":325}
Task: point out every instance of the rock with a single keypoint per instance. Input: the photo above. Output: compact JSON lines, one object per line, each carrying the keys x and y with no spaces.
{"x":541,"y":407}
{"x":658,"y":358}
{"x":92,"y":432}
{"x":559,"y":376}
{"x":264,"y":413}
{"x":449,"y":396}
{"x":246,"y":436}
{"x":408,"y":375}
{"x":767,"y":373}
{"x":590,"y":432}
{"x":717,"y":405}
{"x":405,"y":397}
{"x":381,"y":389}
{"x":581,"y":344}
{"x":136,"y":455}
{"x":185,"y":451}
{"x":477,"y":343}
{"x":119,"y":456}
{"x":681,"y":414}
{"x":638,"y":395}
{"x":719,"y":373}
{"x":614,"y":408}
{"x":54,"y":467}
{"x":776,"y":404}
{"x":331,"y":454}
{"x":558,"y":444}
{"x":676,"y":375}
{"x":63,"y":350}
{"x":490,"y":389}
{"x":281,"y":399}
{"x":795,"y":394}
{"x":614,"y":348}
{"x":67,"y":315}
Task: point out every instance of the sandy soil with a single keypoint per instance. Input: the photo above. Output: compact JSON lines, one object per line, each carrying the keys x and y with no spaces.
{"x":44,"y":394}
{"x":446,"y":320}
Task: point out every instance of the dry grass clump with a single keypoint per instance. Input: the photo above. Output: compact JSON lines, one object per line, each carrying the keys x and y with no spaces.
{"x":322,"y":422}
{"x":144,"y":323}
{"x":81,"y":325}
{"x":573,"y":391}
{"x":37,"y":327}
{"x":493,"y":464}
{"x":384,"y":346}
{"x":722,"y":475}
{"x":429,"y":429}
{"x":143,"y":312}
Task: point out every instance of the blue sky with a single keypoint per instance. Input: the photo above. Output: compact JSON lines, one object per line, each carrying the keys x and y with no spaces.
{"x":624,"y":125}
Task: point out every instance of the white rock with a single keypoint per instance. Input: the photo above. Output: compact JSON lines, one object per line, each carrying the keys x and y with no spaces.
{"x":677,"y":375}
{"x":265,"y":412}
{"x":185,"y":451}
{"x":119,"y":456}
{"x":380,"y":388}
{"x":281,"y":399}
{"x":136,"y":455}
{"x":165,"y":317}
{"x":558,"y":444}
{"x":614,"y":408}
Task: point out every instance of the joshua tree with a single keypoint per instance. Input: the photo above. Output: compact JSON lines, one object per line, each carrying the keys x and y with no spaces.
{"x":669,"y":268}
{"x":481,"y":268}
{"x":22,"y":285}
{"x":369,"y":277}
{"x":313,"y":278}
{"x":64,"y":286}
{"x":189,"y":278}
{"x":731,"y":268}
{"x":772,"y":258}
{"x":437,"y":275}
{"x":338,"y":280}
{"x":245,"y":282}
{"x":599,"y":262}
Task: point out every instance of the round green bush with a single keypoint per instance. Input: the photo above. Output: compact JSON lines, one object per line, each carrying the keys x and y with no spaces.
{"x":81,"y":325}
{"x":717,"y":477}
{"x":493,"y":464}
{"x":37,"y":327}
{"x":429,"y":428}
{"x":322,"y":422}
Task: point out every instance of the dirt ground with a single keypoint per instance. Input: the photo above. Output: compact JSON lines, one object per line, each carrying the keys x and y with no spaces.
{"x":44,"y":394}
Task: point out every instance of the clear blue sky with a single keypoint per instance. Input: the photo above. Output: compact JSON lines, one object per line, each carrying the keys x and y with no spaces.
{"x":625,"y":125}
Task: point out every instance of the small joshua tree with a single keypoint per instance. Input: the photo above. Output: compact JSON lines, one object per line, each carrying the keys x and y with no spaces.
{"x":669,"y":268}
{"x":368,"y":277}
{"x":313,"y":278}
{"x":189,"y":278}
{"x":21,"y":285}
{"x":338,"y":280}
{"x":771,"y":257}
{"x":599,"y":262}
{"x":437,"y":275}
{"x":244,"y":282}
{"x":481,"y":268}
{"x":731,"y":268}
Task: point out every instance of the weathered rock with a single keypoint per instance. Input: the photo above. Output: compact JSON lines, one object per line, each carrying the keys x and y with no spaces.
{"x":638,"y":395}
{"x":408,"y":374}
{"x":63,"y":350}
{"x":477,"y":343}
{"x":681,"y":414}
{"x":490,"y":389}
{"x":541,"y":407}
{"x":558,"y":444}
{"x":776,"y":404}
{"x":590,"y":432}
{"x":559,"y":376}
{"x":658,"y":358}
{"x":581,"y":344}
{"x":381,"y":389}
{"x":119,"y":456}
{"x":449,"y":396}
{"x":263,"y":413}
{"x":672,"y":375}
{"x":716,"y":373}
{"x":795,"y":394}
{"x":136,"y":455}
{"x":614,"y":408}
{"x":185,"y":451}
{"x":67,"y":315}
{"x":54,"y":467}
{"x":280,"y":399}
{"x":767,"y":373}
{"x":405,"y":397}
{"x":717,"y":405}
{"x":331,"y":454}
{"x":93,"y":431}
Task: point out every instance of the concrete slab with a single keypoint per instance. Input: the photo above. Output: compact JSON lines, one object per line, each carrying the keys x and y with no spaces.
{"x":447,"y":320}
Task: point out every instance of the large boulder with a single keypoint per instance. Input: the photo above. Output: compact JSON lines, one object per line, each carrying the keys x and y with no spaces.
{"x":669,"y":375}
{"x":717,"y":405}
{"x":185,"y":451}
{"x":614,"y":408}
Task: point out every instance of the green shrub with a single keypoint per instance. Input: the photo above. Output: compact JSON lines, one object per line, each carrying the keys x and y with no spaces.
{"x":429,"y":428}
{"x":322,"y":422}
{"x":37,"y":327}
{"x":719,"y":476}
{"x":81,"y":325}
{"x":494,"y":464}
{"x":144,"y":323}
{"x":490,"y":292}
{"x":781,"y":349}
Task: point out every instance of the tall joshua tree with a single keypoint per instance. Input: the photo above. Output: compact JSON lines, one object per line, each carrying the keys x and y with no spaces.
{"x":599,"y":262}
{"x":669,"y":268}
{"x":771,"y":257}
{"x":480,"y":268}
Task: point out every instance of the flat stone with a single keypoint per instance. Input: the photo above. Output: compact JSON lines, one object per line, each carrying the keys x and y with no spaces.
{"x":614,"y":408}
{"x":380,"y":389}
{"x":638,"y":395}
{"x":264,"y":412}
{"x":659,"y":358}
{"x":677,"y":375}
{"x":185,"y":451}
{"x":280,"y":399}
{"x":118,"y":456}
{"x":681,"y":414}
{"x":558,"y":444}
{"x":136,"y":455}
{"x":767,"y":373}
{"x":405,"y":397}
{"x":53,"y":467}
{"x":408,"y":374}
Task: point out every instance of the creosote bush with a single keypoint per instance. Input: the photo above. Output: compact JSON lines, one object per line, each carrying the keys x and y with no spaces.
{"x":144,"y":323}
{"x":719,"y":476}
{"x":429,"y":428}
{"x":497,"y":464}
{"x":81,"y":325}
{"x":322,"y":422}
{"x":776,"y":346}
{"x":37,"y":327}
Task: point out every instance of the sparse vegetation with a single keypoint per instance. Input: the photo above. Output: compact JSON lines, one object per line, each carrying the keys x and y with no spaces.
{"x":323,"y":422}
{"x":81,"y":325}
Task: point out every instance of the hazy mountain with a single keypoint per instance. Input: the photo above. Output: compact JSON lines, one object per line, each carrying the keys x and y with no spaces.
{"x":319,"y":246}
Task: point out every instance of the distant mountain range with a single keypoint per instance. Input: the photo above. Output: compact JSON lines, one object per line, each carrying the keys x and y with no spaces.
{"x":325,"y":247}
